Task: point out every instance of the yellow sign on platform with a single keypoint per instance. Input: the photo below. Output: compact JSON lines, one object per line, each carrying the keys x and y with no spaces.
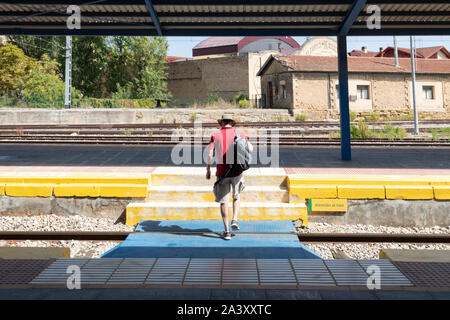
{"x":339,"y":205}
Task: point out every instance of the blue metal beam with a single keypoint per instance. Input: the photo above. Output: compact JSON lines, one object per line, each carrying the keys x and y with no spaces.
{"x":154,"y":16}
{"x":344,"y":105}
{"x":351,"y":17}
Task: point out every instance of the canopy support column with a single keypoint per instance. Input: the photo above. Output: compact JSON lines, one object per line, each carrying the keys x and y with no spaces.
{"x":346,"y":152}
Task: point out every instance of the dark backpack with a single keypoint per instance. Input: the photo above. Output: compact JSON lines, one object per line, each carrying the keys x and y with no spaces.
{"x":241,"y":155}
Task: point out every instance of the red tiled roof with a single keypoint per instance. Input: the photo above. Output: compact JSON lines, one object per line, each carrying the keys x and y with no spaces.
{"x":362,"y":64}
{"x":360,"y":53}
{"x":431,"y":51}
{"x":426,"y":53}
{"x":173,"y":58}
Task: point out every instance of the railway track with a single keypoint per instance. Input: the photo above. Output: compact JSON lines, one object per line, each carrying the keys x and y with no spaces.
{"x":283,"y":141}
{"x":289,"y":133}
{"x":303,"y":237}
{"x":269,"y":124}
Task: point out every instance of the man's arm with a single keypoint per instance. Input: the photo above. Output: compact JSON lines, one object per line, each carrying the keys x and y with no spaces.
{"x":210,"y":158}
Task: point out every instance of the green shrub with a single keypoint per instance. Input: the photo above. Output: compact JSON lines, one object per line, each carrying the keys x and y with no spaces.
{"x":239,"y":97}
{"x":244,"y":103}
{"x":44,"y":88}
{"x":300,"y":117}
{"x":361,"y":130}
{"x":213,"y":97}
{"x":373,"y":116}
{"x":352,"y":116}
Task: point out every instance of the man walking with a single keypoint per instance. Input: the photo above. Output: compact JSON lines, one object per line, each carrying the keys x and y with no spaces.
{"x":220,"y":142}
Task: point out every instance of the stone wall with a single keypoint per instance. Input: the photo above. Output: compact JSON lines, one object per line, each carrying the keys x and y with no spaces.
{"x":90,"y":207}
{"x":133,"y":116}
{"x":194,"y":80}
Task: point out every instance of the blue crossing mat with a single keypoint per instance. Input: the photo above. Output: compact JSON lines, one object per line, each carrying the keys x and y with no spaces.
{"x":241,"y":246}
{"x":212,"y":226}
{"x":198,"y":239}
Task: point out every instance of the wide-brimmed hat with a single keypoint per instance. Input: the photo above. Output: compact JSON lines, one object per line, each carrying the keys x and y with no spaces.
{"x":226,"y":116}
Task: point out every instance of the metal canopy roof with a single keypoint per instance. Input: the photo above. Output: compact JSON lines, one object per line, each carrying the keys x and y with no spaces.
{"x":225,"y":17}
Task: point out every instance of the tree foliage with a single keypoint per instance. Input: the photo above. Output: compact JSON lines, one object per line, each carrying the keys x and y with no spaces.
{"x":44,"y":87}
{"x":137,"y":67}
{"x":119,"y":67}
{"x":15,"y":67}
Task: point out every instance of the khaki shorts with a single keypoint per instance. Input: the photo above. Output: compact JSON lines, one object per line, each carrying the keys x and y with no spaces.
{"x":223,"y":188}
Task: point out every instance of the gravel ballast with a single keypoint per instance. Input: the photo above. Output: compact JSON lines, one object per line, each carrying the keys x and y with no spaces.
{"x":95,"y":249}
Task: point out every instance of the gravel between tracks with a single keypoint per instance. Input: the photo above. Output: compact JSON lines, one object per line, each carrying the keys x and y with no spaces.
{"x":95,"y":249}
{"x":368,"y":250}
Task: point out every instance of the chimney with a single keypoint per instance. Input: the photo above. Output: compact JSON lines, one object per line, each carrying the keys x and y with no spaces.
{"x":364,"y":49}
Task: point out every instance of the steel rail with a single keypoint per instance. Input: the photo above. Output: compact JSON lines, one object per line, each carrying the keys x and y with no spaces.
{"x":303,"y":237}
{"x":212,"y":124}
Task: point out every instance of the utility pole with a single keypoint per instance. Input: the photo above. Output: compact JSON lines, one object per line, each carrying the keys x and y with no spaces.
{"x":397,"y":64}
{"x":68,"y":91}
{"x":413,"y":75}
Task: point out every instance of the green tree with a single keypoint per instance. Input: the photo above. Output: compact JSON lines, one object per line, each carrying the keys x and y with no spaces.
{"x":137,"y":67}
{"x":36,"y":46}
{"x":89,"y":59}
{"x":44,"y":87}
{"x":15,"y":67}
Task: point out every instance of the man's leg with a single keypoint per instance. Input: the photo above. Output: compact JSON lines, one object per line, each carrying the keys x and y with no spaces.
{"x":224,"y":212}
{"x":236,"y":206}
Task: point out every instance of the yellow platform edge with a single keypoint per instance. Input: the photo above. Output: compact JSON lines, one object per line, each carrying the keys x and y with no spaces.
{"x":135,"y":214}
{"x":370,"y":187}
{"x":34,"y":252}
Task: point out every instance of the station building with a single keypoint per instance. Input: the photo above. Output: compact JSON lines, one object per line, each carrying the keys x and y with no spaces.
{"x":310,"y":85}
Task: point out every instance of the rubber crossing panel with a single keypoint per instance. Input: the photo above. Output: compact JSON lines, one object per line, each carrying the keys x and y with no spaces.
{"x":202,"y":239}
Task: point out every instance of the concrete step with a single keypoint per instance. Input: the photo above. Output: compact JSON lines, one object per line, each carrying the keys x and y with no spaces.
{"x":136,"y":212}
{"x":205,"y":194}
{"x":195,"y":176}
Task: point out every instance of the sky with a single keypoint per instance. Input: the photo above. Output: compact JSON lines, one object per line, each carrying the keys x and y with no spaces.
{"x":182,"y":46}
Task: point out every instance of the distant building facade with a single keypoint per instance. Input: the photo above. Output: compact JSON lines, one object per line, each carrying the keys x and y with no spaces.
{"x":227,"y":66}
{"x":310,"y":85}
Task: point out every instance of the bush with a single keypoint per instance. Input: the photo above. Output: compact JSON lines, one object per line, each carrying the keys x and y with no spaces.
{"x":239,"y":97}
{"x":244,"y":103}
{"x":213,"y":97}
{"x":300,"y":117}
{"x":44,"y":88}
{"x":361,"y":130}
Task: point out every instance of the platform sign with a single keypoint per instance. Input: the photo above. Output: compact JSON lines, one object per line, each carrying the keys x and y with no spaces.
{"x":336,"y":205}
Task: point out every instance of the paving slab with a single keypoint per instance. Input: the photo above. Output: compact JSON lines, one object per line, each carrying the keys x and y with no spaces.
{"x":415,"y":255}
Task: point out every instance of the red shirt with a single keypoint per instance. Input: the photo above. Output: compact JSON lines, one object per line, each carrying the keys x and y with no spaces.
{"x":221,"y":141}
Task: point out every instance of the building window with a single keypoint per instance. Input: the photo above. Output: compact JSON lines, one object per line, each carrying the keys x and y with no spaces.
{"x":428,"y":92}
{"x":284,"y":92}
{"x":362,"y":92}
{"x":337,"y":91}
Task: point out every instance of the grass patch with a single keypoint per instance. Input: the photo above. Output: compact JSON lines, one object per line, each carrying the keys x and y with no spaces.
{"x":300,"y":117}
{"x":440,"y":133}
{"x":362,"y":131}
